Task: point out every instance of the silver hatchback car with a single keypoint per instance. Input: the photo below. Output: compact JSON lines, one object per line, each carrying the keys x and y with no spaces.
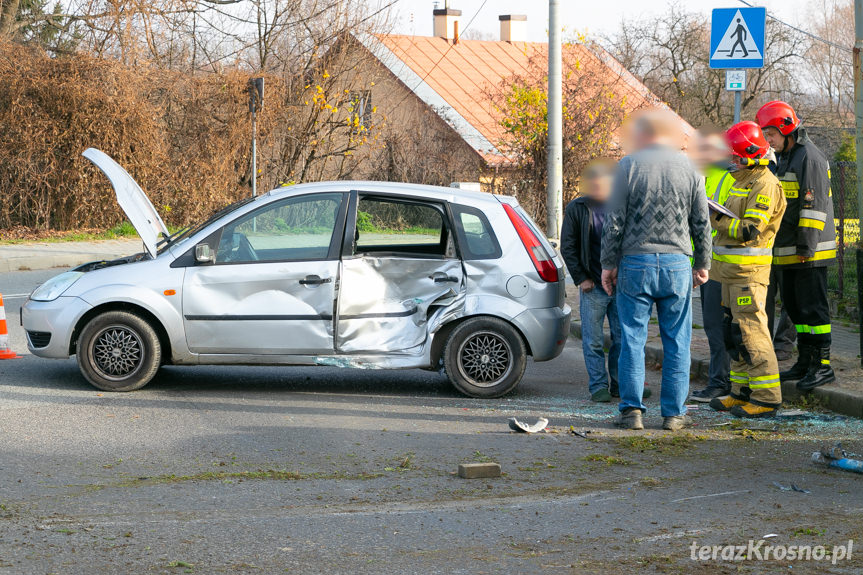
{"x":367,"y":275}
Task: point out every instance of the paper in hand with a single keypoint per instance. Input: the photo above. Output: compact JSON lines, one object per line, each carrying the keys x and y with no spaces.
{"x":720,"y":209}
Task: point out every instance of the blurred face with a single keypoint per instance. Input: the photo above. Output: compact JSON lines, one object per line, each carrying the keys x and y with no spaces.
{"x":598,"y":185}
{"x":775,"y":139}
{"x":711,"y":149}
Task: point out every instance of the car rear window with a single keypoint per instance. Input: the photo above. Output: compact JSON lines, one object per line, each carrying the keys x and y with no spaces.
{"x":476,"y":239}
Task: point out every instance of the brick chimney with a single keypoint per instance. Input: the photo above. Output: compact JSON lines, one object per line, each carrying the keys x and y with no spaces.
{"x":446,"y":23}
{"x":513,"y":27}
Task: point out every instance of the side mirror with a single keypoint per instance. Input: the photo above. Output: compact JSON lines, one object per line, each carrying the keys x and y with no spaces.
{"x":204,"y":255}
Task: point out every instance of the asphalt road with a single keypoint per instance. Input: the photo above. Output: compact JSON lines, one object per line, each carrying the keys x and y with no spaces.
{"x":321,"y":470}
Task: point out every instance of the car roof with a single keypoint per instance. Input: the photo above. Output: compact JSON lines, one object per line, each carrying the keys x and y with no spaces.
{"x":456,"y":195}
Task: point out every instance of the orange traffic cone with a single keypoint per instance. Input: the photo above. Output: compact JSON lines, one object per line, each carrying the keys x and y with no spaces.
{"x":5,"y":351}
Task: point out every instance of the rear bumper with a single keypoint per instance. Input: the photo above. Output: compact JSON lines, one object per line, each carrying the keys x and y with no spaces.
{"x":545,"y":329}
{"x":57,"y":318}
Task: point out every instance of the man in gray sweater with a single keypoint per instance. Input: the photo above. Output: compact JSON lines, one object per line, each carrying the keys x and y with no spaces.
{"x":656,"y":215}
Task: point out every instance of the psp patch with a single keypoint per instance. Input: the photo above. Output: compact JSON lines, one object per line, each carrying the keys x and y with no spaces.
{"x":744,"y":300}
{"x":762,"y":199}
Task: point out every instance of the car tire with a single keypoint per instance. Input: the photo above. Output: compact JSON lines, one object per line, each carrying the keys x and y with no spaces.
{"x":118,"y":351}
{"x":485,"y":357}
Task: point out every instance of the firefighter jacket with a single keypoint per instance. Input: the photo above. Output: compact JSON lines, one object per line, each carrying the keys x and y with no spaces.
{"x":743,"y":246}
{"x":808,"y":228}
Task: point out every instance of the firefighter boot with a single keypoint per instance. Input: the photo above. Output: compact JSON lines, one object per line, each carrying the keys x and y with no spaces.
{"x":820,"y":371}
{"x":805,"y":357}
{"x":727,"y":402}
{"x":753,"y":410}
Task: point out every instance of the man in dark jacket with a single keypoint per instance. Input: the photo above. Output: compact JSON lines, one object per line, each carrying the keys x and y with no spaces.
{"x":581,"y":241}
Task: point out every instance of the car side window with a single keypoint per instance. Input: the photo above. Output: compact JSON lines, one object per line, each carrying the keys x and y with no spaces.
{"x":299,"y":228}
{"x":385,"y":225}
{"x":476,"y":238}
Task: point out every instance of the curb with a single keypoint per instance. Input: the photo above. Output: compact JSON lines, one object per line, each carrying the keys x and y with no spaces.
{"x":835,"y":399}
{"x":30,"y":257}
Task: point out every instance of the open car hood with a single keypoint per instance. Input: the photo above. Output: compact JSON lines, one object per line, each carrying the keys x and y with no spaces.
{"x":138,"y":207}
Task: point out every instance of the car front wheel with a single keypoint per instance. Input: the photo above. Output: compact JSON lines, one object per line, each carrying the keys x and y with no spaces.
{"x":118,"y":351}
{"x":485,"y":357}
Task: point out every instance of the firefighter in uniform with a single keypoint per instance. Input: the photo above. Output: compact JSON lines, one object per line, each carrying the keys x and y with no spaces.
{"x":742,"y":254}
{"x":806,"y":243}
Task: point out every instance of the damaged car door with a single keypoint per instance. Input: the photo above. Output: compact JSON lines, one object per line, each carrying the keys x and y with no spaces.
{"x":270,"y":285}
{"x":399,"y":268}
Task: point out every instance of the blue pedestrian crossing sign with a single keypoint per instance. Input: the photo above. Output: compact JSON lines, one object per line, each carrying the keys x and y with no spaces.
{"x":737,"y":37}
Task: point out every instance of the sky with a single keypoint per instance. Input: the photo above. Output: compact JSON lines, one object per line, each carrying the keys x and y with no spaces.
{"x":593,"y":17}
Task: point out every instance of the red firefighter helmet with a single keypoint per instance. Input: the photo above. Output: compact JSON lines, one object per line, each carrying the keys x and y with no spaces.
{"x":777,"y":114}
{"x":746,"y":140}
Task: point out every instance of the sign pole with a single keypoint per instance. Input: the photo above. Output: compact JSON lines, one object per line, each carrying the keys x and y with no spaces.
{"x":738,"y":97}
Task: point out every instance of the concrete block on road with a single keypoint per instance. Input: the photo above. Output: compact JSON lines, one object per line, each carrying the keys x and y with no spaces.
{"x":478,"y":470}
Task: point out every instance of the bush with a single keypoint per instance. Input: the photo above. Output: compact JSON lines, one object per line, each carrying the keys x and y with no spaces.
{"x":183,"y":137}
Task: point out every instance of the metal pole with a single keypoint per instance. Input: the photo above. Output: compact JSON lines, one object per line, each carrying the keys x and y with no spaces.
{"x":858,"y":112}
{"x":554,"y":199}
{"x":738,"y":96}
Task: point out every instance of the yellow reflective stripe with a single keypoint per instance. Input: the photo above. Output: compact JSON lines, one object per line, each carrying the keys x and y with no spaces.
{"x":825,"y":255}
{"x":738,"y":192}
{"x":764,"y":381}
{"x":742,"y":260}
{"x":732,"y":228}
{"x":813,"y":329}
{"x":757,"y":214}
{"x":764,"y":385}
{"x":810,"y":223}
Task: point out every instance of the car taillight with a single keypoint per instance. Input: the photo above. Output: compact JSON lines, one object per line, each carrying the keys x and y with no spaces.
{"x":540,"y":257}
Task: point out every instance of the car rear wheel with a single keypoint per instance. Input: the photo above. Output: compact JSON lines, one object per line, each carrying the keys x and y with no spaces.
{"x":118,"y":351}
{"x":485,"y":357}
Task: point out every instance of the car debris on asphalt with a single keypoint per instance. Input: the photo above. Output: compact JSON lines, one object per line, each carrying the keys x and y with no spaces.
{"x":520,"y":427}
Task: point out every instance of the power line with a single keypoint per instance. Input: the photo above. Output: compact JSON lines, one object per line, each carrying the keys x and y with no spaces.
{"x":435,"y":65}
{"x":802,"y":31}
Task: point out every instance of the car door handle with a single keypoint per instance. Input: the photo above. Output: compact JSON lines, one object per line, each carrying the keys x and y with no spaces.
{"x":442,"y":279}
{"x":314,"y":281}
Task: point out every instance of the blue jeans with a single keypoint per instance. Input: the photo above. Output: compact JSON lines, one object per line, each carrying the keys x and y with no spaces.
{"x":595,"y":306}
{"x":664,"y":280}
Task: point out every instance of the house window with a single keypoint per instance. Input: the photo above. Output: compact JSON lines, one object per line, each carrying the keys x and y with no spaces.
{"x":361,"y":108}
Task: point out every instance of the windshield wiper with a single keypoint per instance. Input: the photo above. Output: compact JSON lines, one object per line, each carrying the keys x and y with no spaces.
{"x":188,"y":230}
{"x":170,"y":239}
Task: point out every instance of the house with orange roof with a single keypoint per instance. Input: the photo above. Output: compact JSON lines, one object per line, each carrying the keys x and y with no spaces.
{"x":441,"y":90}
{"x":455,"y":79}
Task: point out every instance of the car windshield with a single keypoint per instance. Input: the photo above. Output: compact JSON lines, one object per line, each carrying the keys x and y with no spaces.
{"x":189,"y":230}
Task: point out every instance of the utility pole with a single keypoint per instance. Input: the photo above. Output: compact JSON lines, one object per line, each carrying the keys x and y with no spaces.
{"x":554,"y":177}
{"x":858,"y":112}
